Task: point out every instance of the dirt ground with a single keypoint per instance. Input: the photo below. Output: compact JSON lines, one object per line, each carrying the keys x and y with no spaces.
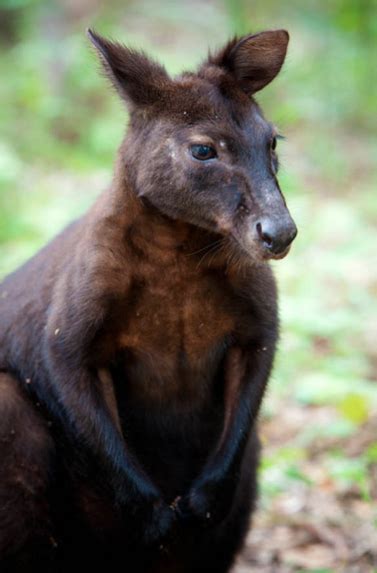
{"x":321,"y":527}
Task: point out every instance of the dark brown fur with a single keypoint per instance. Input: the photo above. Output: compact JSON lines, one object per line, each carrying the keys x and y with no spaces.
{"x":135,"y":348}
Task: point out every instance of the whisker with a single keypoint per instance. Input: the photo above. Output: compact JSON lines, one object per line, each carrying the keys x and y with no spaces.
{"x":214,"y":249}
{"x":205,"y":247}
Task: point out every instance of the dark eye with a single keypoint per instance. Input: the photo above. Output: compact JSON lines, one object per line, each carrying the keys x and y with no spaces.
{"x":273,"y":143}
{"x":203,"y":152}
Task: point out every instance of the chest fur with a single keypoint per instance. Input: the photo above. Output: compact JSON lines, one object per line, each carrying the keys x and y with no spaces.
{"x":178,"y":317}
{"x":170,"y":333}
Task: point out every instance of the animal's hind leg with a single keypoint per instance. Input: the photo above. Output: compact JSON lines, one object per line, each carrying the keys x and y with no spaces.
{"x":26,"y":537}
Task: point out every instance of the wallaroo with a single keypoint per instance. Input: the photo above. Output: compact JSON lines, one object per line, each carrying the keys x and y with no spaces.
{"x":135,"y":348}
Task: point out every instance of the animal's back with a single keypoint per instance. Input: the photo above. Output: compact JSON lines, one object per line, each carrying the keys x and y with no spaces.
{"x":25,"y":296}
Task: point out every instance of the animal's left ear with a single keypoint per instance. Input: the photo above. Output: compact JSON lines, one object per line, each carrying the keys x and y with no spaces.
{"x":255,"y":60}
{"x":139,"y":80}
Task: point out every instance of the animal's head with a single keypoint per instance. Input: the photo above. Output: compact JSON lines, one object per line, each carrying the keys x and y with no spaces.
{"x":198,"y":148}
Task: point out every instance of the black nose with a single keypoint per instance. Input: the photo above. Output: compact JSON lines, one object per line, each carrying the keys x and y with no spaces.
{"x":276,"y":235}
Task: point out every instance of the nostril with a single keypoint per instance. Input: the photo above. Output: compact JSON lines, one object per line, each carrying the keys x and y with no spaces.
{"x":264,"y":236}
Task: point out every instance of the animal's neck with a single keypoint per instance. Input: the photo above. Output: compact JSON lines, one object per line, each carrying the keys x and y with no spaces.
{"x":123,"y":218}
{"x":153,"y":230}
{"x":150,"y":232}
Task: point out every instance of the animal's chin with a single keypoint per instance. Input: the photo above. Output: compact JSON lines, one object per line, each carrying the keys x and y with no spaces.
{"x":255,"y":252}
{"x":277,"y":257}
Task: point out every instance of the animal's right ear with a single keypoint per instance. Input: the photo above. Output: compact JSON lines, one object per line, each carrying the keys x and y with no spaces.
{"x":255,"y":60}
{"x":139,"y":80}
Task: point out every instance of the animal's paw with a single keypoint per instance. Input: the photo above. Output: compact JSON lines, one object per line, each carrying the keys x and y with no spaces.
{"x":161,"y":520}
{"x":209,"y":504}
{"x":148,"y":521}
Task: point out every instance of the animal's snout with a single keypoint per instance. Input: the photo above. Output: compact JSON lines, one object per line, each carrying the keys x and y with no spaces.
{"x":276,"y":235}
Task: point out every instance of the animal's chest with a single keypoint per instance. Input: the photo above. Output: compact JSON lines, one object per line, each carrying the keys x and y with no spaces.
{"x":175,"y":327}
{"x":168,"y":337}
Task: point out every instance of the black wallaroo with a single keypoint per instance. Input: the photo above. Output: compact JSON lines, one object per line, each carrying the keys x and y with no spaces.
{"x":135,"y":348}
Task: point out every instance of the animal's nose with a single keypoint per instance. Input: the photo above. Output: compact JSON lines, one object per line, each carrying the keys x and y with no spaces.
{"x":276,"y":235}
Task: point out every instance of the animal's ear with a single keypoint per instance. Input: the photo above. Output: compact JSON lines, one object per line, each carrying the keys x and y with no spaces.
{"x":139,"y":80}
{"x":255,"y":60}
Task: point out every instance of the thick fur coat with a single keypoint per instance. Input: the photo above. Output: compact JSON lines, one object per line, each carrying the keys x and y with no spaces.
{"x":135,"y":348}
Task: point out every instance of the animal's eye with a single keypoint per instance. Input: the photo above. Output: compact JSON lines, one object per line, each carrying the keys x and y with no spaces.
{"x":203,"y":152}
{"x":273,"y":143}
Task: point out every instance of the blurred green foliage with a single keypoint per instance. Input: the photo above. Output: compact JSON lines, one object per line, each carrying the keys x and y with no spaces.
{"x":61,"y":125}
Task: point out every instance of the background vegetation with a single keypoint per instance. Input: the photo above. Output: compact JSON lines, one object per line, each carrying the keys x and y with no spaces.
{"x":60,"y":128}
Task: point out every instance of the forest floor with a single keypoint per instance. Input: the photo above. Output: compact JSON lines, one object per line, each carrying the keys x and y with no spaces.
{"x":318,"y":525}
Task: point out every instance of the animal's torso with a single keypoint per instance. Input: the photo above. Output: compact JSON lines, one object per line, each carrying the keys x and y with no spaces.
{"x":164,"y":345}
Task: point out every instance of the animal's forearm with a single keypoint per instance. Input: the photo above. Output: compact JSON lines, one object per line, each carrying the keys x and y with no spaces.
{"x":246,"y":374}
{"x":245,"y":377}
{"x":83,"y":409}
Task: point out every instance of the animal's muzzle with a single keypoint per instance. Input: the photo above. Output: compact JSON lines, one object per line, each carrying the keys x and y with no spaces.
{"x":276,"y":235}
